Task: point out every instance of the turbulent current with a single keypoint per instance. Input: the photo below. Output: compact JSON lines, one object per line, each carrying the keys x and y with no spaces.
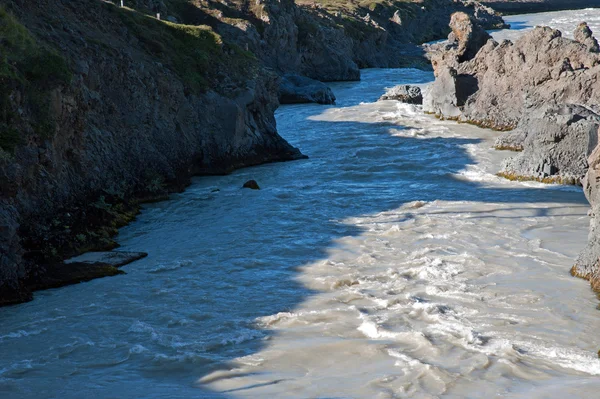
{"x":393,"y":263}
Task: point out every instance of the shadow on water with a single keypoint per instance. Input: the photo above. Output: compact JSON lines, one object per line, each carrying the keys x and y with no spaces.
{"x":221,"y":256}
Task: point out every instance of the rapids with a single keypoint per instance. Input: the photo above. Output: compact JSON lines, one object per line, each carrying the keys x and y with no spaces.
{"x":392,"y":263}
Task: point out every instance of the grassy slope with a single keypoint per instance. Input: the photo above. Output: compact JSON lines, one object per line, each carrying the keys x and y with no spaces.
{"x":196,"y":53}
{"x":32,"y":67}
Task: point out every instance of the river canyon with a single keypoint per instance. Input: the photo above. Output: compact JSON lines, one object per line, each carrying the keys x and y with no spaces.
{"x":392,"y":263}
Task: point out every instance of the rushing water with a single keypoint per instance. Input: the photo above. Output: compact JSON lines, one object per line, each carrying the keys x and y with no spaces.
{"x":392,"y":263}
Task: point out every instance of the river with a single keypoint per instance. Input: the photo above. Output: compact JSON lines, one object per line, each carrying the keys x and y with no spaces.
{"x":392,"y":263}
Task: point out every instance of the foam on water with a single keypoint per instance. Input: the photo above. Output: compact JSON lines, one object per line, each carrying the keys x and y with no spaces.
{"x":563,"y":21}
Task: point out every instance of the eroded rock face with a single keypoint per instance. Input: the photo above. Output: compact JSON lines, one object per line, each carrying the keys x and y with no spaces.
{"x":309,"y":40}
{"x":295,"y":89}
{"x":404,"y":93}
{"x":588,"y":262}
{"x":508,"y":78}
{"x":583,"y":34}
{"x":556,"y":144}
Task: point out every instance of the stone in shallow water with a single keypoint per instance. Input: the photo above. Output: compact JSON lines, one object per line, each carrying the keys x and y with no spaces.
{"x":404,"y":93}
{"x":86,"y":267}
{"x":251,"y":184}
{"x":110,"y":258}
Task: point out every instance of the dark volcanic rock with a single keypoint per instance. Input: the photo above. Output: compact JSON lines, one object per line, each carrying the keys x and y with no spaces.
{"x":251,"y":184}
{"x":404,"y":93}
{"x":117,"y":118}
{"x":82,"y":268}
{"x":331,"y":45}
{"x":109,"y":258}
{"x":295,"y":89}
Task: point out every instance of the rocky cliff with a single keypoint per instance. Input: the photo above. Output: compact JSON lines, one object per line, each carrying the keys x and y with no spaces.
{"x":103,"y":107}
{"x":326,"y":40}
{"x":542,"y":88}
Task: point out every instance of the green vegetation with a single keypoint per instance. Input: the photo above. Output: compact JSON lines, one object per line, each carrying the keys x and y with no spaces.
{"x":35,"y":70}
{"x":196,"y":54}
{"x":9,"y":139}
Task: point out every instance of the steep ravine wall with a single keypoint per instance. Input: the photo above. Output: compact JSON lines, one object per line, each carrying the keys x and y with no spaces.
{"x":102,"y":107}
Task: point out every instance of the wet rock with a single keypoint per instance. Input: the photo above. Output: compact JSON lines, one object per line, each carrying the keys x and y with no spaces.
{"x":109,"y":258}
{"x":295,"y":89}
{"x":82,"y":268}
{"x":404,"y":93}
{"x":251,"y":184}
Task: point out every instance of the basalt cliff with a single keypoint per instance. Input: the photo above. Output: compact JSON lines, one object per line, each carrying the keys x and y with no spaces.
{"x":542,"y":90}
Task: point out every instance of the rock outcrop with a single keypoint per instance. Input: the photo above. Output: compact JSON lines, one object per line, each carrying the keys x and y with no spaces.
{"x":104,"y":107}
{"x":295,"y":89}
{"x":404,"y":93}
{"x":543,"y":86}
{"x":328,"y":41}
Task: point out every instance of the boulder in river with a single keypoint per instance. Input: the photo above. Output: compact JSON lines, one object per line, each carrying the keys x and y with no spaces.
{"x":296,"y":89}
{"x":251,"y":184}
{"x":404,"y":93}
{"x":89,"y":266}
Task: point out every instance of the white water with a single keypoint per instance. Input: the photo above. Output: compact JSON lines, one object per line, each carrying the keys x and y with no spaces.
{"x":392,"y":263}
